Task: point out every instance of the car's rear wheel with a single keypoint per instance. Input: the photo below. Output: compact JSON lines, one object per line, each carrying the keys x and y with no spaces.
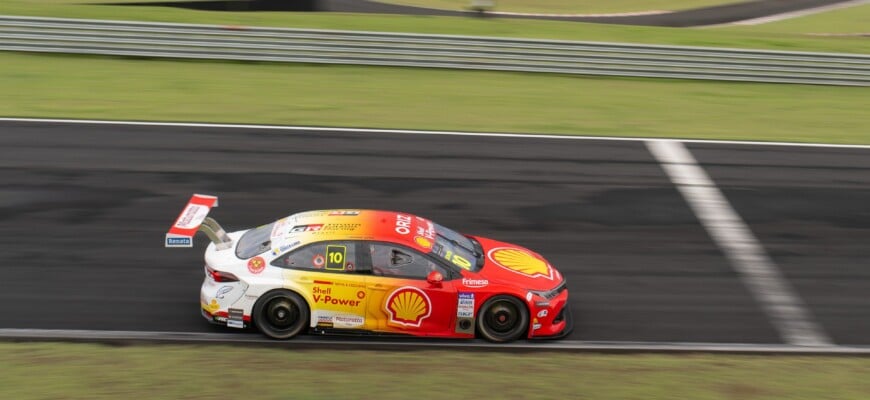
{"x":503,"y":319}
{"x":281,"y":314}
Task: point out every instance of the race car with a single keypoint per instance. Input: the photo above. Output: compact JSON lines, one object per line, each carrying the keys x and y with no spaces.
{"x":371,"y":272}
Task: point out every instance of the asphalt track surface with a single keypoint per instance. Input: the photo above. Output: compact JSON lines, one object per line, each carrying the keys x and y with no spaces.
{"x":722,"y":14}
{"x":83,"y":211}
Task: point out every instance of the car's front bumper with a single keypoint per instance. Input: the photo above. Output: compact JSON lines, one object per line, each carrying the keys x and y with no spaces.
{"x":567,"y":329}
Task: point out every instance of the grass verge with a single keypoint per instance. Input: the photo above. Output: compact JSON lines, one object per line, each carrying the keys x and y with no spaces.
{"x":381,"y":97}
{"x":503,"y":27}
{"x":847,"y":20}
{"x":90,"y":371}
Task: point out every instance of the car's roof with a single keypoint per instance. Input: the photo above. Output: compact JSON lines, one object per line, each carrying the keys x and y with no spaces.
{"x":351,"y":224}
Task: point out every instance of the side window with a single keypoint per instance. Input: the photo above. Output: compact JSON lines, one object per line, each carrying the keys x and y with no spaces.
{"x":326,"y":256}
{"x":399,"y":262}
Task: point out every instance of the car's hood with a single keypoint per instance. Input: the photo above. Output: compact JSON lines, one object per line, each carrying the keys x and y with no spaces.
{"x":507,"y":262}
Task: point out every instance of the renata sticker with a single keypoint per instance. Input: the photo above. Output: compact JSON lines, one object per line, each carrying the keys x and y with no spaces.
{"x":256,"y":265}
{"x":465,"y":305}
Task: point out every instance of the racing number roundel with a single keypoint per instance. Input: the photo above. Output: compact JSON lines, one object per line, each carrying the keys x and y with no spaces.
{"x":408,"y":306}
{"x":521,"y":262}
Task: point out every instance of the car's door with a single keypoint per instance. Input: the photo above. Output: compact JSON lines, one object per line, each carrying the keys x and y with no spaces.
{"x":326,"y":274}
{"x":400,"y":299}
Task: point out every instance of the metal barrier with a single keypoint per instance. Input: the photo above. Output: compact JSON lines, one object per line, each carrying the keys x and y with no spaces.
{"x":124,"y":38}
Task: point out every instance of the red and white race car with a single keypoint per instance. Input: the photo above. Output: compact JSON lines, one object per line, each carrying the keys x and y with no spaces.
{"x":366,"y":271}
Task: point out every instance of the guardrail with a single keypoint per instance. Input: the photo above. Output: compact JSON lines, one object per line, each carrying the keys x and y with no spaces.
{"x":123,"y":38}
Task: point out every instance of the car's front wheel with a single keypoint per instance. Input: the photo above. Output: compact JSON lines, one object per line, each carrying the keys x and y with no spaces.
{"x":281,"y":314}
{"x":503,"y":319}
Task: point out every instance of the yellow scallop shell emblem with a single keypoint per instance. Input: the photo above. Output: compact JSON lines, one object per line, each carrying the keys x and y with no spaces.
{"x":423,"y":242}
{"x":521,"y":262}
{"x":408,"y":306}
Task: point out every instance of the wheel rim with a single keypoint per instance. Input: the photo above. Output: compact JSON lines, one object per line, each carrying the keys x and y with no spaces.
{"x":282,"y":313}
{"x":502,"y":317}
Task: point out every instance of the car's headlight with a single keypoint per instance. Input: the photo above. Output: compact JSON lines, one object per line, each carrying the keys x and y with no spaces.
{"x":552,"y":293}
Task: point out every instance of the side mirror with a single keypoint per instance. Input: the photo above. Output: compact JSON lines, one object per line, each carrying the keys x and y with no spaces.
{"x":435,"y":278}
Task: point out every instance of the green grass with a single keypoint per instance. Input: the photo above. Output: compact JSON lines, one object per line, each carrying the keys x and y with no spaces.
{"x":114,"y":88}
{"x":847,"y":20}
{"x":89,"y":371}
{"x":568,"y":6}
{"x":504,"y":27}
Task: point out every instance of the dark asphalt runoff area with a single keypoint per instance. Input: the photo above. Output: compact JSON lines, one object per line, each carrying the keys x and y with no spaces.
{"x":84,"y":208}
{"x":720,"y":14}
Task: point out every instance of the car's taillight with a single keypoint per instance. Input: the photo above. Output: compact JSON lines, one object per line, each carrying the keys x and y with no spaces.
{"x":219,"y":276}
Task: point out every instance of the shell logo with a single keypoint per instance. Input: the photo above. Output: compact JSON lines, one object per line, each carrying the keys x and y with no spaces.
{"x":423,"y":242}
{"x":521,"y":262}
{"x":408,"y":306}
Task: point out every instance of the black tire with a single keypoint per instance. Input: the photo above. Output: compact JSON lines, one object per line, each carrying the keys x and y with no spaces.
{"x":281,"y":314}
{"x":503,"y":319}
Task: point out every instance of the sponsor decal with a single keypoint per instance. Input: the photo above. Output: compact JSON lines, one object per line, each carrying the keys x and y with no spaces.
{"x":521,"y":262}
{"x":324,"y":321}
{"x":408,"y":306}
{"x":213,"y":306}
{"x":529,"y":296}
{"x":423,"y":242}
{"x":306,"y":228}
{"x":403,"y":224}
{"x":324,"y":296}
{"x":179,"y":242}
{"x":236,"y":318}
{"x":347,"y":213}
{"x":474,"y":283}
{"x":465,"y":306}
{"x":348,"y":321}
{"x":535,"y":324}
{"x":256,"y":265}
{"x":318,"y":260}
{"x":278,"y":229}
{"x":278,"y":250}
{"x":222,"y":291}
{"x":543,"y":313}
{"x":427,"y":231}
{"x":192,"y":216}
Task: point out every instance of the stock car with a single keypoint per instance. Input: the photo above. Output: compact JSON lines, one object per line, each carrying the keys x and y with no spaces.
{"x":371,"y":272}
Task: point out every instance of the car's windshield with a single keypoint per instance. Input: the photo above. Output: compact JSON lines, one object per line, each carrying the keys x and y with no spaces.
{"x":457,"y":249}
{"x":254,"y":241}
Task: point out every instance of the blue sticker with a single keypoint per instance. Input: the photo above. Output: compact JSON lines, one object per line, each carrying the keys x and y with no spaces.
{"x":178,"y":241}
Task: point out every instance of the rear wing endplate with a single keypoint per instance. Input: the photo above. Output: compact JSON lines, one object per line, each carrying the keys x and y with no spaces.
{"x":194,"y":218}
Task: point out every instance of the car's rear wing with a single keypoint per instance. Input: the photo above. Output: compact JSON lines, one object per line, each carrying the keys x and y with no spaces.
{"x":194,"y":218}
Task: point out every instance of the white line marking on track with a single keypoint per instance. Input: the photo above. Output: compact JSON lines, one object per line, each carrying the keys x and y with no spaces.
{"x":799,"y":13}
{"x":761,"y":276}
{"x":417,"y":132}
